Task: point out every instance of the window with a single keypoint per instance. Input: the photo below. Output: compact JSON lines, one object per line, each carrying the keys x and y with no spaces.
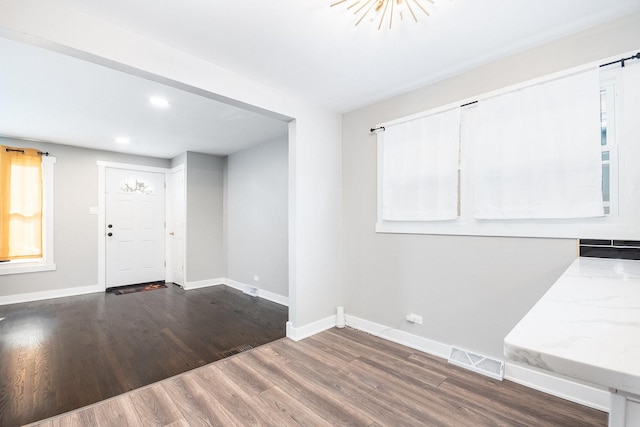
{"x":536,"y":153}
{"x":26,"y":220}
{"x":607,"y":143}
{"x":614,"y":156}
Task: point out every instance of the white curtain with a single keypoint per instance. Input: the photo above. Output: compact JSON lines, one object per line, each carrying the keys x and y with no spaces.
{"x":536,"y":151}
{"x":420,"y":168}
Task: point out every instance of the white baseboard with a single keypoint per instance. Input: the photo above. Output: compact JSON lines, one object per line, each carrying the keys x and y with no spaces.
{"x":81,"y":290}
{"x":235,"y":284}
{"x":297,"y":334}
{"x":410,"y":340}
{"x":203,"y":283}
{"x":273,"y":297}
{"x":278,"y":299}
{"x":58,"y":293}
{"x":558,"y":386}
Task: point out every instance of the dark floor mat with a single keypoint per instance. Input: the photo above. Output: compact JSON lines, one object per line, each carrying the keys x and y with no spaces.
{"x":141,"y":287}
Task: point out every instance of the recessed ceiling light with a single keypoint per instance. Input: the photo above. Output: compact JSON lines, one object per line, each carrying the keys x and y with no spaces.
{"x":122,"y":140}
{"x":159,"y":102}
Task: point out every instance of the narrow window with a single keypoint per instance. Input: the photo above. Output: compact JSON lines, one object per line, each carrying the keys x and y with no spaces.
{"x":607,"y":145}
{"x":21,"y":204}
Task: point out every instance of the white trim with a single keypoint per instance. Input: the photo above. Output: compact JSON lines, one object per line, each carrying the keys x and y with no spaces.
{"x":102,"y":166}
{"x":559,"y":386}
{"x":556,"y":385}
{"x":204,"y":283}
{"x":47,"y":262}
{"x":271,"y":296}
{"x":37,"y":296}
{"x":26,"y":267}
{"x":58,"y":293}
{"x":395,"y":335}
{"x":131,"y":166}
{"x":310,"y":329}
{"x":170,"y":220}
{"x":102,"y":268}
{"x":235,"y":284}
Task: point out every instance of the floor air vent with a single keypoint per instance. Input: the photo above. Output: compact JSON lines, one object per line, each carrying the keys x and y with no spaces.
{"x":250,"y":290}
{"x":236,"y":350}
{"x":482,"y":364}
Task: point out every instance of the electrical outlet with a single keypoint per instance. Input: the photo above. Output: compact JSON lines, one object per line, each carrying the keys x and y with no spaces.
{"x":256,"y":278}
{"x":414,"y":318}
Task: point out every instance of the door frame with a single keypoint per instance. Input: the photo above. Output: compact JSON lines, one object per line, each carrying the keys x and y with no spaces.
{"x":102,"y":253}
{"x":170,"y":225}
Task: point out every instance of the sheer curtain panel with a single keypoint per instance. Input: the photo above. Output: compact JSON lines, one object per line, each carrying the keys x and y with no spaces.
{"x":536,"y":151}
{"x":420,"y":168}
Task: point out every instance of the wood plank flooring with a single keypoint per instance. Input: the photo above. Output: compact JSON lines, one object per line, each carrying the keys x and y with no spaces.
{"x":336,"y":378}
{"x":66,"y":353}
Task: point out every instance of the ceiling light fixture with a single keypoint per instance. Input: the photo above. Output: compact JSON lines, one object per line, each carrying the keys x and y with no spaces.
{"x":122,"y":140}
{"x":379,"y":10}
{"x":159,"y":102}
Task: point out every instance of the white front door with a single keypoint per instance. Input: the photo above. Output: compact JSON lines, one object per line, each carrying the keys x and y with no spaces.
{"x":176,"y":225}
{"x":134,"y":227}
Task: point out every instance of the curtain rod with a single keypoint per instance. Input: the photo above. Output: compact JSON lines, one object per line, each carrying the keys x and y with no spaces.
{"x":621,"y":61}
{"x":16,"y":150}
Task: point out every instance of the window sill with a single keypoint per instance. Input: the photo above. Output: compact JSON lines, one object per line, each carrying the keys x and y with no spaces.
{"x":595,"y":228}
{"x":26,"y":267}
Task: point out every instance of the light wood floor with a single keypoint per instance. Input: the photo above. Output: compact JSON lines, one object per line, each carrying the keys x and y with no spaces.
{"x":336,"y":378}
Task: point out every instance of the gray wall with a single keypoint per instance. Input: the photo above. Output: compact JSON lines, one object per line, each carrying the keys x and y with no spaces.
{"x":470,"y":290}
{"x":205,"y":252}
{"x":257,"y":220}
{"x":75,"y":230}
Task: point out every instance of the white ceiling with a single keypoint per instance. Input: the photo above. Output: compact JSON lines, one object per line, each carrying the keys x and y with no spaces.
{"x":300,"y":46}
{"x":315,"y":50}
{"x":52,"y":97}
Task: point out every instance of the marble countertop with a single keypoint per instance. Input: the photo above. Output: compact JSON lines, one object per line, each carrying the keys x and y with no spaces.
{"x":587,"y":326}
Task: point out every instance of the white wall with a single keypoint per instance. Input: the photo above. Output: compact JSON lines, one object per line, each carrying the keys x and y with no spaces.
{"x":315,"y":188}
{"x":470,"y":290}
{"x":75,"y":230}
{"x":205,"y":252}
{"x":314,"y":144}
{"x":257,"y":218}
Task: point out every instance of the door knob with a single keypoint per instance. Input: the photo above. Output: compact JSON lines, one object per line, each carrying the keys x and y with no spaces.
{"x":109,"y":234}
{"x":172,"y":233}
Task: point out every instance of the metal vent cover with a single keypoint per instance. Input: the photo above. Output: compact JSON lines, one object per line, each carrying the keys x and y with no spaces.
{"x":478,"y":363}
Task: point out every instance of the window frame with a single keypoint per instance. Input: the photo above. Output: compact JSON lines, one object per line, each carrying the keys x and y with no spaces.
{"x":619,"y":223}
{"x":46,"y":262}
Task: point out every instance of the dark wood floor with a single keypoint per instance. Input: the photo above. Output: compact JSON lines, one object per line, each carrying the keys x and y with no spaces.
{"x":66,"y":353}
{"x":336,"y":378}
